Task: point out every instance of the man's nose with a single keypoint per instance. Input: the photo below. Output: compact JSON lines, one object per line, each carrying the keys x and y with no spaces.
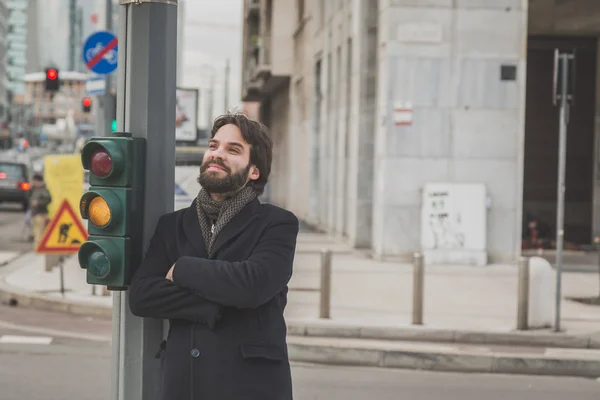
{"x":219,"y":153}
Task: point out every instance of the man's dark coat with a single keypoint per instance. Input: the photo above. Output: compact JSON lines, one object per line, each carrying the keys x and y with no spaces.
{"x":227,"y":336}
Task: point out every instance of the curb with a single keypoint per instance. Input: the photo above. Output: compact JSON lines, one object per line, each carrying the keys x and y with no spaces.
{"x":330,"y":329}
{"x":497,"y":363}
{"x":48,"y":303}
{"x":25,"y":298}
{"x":13,"y":259}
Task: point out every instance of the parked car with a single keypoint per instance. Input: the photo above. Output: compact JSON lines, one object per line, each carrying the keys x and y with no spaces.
{"x":14,"y":183}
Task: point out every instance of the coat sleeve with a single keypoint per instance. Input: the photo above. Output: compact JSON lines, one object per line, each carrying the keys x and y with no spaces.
{"x":151,"y":295}
{"x":249,"y":283}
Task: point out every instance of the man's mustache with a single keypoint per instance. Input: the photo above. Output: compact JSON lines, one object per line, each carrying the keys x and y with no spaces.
{"x":215,"y":161}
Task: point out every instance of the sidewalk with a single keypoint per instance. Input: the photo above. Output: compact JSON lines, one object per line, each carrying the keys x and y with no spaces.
{"x":469,"y":314}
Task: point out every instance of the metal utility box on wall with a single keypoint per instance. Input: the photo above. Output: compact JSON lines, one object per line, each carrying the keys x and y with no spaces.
{"x":454,"y":224}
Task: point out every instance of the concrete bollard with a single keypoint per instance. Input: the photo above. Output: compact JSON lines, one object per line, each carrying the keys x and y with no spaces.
{"x":523,"y":294}
{"x":418,"y":288}
{"x":325,"y":300}
{"x":542,"y":292}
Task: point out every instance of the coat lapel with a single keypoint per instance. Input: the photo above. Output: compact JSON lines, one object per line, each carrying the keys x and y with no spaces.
{"x":192,"y":230}
{"x":237,"y":225}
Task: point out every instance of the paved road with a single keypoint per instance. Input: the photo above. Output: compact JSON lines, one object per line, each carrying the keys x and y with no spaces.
{"x":69,"y":367}
{"x":11,"y":228}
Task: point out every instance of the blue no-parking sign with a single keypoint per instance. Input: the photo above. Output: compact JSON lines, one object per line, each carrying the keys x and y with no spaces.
{"x":100,"y":52}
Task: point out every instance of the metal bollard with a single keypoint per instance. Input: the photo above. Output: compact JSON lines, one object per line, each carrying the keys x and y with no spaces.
{"x":418,"y":288}
{"x":523,"y":294}
{"x":325,"y":302}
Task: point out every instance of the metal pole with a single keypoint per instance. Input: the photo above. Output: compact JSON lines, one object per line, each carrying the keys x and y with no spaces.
{"x":61,"y":263}
{"x":211,"y":100}
{"x":109,"y":106}
{"x":146,"y":108}
{"x":325,"y":300}
{"x":226,"y":88}
{"x":418,"y":288}
{"x":523,"y":294}
{"x":562,"y":161}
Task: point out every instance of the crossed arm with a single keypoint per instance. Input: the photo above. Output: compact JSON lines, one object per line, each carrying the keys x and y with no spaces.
{"x":153,"y":296}
{"x":197,"y":288}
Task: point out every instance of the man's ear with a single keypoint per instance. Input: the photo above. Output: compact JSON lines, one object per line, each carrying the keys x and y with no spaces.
{"x":254,"y":173}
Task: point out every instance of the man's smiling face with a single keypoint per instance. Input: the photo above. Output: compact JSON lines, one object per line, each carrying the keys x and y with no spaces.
{"x":226,"y":165}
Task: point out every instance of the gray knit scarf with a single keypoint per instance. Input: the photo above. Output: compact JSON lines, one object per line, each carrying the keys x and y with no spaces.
{"x":214,"y":215}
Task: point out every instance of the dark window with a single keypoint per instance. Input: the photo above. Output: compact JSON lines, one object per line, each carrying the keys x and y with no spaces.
{"x":12,"y":171}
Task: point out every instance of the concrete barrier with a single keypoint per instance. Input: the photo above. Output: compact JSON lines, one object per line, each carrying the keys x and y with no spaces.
{"x":542,"y":279}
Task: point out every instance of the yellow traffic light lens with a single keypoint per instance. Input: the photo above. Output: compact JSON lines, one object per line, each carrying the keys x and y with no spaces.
{"x":99,"y":212}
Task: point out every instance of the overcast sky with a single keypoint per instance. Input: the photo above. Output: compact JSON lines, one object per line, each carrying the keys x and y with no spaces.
{"x":212,"y":34}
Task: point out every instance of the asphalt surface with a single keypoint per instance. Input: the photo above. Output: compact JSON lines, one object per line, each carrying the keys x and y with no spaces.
{"x":72,"y":367}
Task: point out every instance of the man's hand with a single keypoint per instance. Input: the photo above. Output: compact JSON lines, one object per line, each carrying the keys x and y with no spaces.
{"x":170,"y":273}
{"x":34,"y":203}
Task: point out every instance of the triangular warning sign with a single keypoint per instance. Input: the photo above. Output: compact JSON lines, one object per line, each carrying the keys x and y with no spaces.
{"x":64,"y":234}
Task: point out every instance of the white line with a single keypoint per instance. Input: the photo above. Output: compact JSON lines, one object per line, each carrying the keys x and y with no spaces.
{"x":13,"y":339}
{"x":54,"y":332}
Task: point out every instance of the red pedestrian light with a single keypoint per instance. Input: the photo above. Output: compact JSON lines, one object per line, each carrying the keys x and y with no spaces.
{"x":87,"y":102}
{"x":52,"y":74}
{"x":101,"y":163}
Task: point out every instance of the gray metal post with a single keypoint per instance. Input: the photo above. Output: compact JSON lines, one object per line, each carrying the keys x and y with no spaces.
{"x":146,"y":108}
{"x":325,"y":298}
{"x":523,"y":294}
{"x":226,"y":88}
{"x":109,"y":106}
{"x":418,"y":288}
{"x":562,"y":164}
{"x":61,"y":266}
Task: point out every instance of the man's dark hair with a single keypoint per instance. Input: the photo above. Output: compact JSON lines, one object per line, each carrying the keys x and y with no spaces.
{"x":38,"y":177}
{"x":261,"y":145}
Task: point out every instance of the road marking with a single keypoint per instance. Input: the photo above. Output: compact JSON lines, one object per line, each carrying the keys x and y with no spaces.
{"x":14,"y":339}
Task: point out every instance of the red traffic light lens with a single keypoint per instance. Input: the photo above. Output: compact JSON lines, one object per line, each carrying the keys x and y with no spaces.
{"x":101,"y":163}
{"x":52,"y":74}
{"x":87,"y":102}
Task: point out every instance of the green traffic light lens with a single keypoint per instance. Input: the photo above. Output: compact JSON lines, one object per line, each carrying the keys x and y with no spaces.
{"x":98,"y":264}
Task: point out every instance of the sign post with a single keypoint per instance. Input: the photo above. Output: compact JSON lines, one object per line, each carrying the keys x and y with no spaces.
{"x":63,"y":235}
{"x":563,"y":95}
{"x":100,"y":55}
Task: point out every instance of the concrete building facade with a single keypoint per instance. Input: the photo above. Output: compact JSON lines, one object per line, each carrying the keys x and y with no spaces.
{"x":3,"y":59}
{"x":370,"y":100}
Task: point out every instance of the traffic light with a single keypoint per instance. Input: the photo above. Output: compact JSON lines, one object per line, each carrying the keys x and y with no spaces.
{"x":113,"y":125}
{"x":113,"y":207}
{"x":52,"y":81}
{"x":86,"y":104}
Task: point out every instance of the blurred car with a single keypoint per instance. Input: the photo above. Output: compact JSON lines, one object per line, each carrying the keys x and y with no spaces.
{"x":14,"y":183}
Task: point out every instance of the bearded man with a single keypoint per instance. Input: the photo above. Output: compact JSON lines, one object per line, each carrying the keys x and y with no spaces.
{"x":218,"y":271}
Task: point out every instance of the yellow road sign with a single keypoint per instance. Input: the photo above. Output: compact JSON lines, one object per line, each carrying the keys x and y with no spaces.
{"x":64,"y":234}
{"x":63,"y":174}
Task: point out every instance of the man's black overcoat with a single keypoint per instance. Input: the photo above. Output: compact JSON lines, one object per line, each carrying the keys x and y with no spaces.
{"x":227,"y":336}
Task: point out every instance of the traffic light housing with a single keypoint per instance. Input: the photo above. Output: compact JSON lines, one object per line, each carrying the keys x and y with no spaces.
{"x":52,"y":80}
{"x":114,"y":208}
{"x":86,"y":104}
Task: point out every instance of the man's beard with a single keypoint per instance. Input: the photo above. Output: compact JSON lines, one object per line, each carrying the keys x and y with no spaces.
{"x":230,"y":183}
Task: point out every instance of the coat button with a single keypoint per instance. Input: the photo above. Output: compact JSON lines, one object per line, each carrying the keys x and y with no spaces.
{"x":195,"y":353}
